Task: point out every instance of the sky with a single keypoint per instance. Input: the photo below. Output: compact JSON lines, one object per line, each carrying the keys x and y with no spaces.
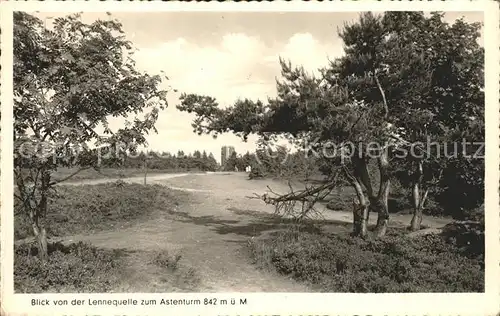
{"x":227,"y":55}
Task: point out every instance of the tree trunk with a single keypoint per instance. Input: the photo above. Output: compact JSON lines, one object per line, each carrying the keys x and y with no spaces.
{"x":42,"y":206}
{"x":418,"y":208}
{"x":416,"y":220}
{"x":42,"y":244}
{"x":37,"y":210}
{"x":418,"y":199}
{"x":32,"y":209}
{"x":40,"y":235}
{"x":363,"y":178}
{"x":383,"y":195}
{"x":145,"y":166}
{"x":360,"y":211}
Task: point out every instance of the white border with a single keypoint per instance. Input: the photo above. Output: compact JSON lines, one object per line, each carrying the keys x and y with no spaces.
{"x":267,"y":303}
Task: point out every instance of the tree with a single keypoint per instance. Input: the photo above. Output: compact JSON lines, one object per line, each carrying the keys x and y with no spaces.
{"x":231,"y":162}
{"x":390,"y":89}
{"x":212,"y":163}
{"x":448,"y":105}
{"x":67,"y":82}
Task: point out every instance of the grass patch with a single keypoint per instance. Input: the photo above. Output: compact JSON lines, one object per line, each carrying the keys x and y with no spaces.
{"x":75,"y":268}
{"x":90,"y":208}
{"x":396,"y":263}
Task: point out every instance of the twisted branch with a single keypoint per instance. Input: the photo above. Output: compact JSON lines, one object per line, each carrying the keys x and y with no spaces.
{"x":298,"y":204}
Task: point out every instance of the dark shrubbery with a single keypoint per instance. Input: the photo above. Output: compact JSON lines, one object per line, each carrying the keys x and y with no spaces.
{"x":463,"y":186}
{"x":339,"y":263}
{"x":257,"y":172}
{"x":467,"y":236}
{"x":87,"y":208}
{"x":75,"y":268}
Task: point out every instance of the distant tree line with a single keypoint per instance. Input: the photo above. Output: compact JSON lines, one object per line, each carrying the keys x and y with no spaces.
{"x":166,"y":161}
{"x":276,"y":163}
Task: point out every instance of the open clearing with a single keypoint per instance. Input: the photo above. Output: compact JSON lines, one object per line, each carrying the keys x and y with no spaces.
{"x":209,"y":230}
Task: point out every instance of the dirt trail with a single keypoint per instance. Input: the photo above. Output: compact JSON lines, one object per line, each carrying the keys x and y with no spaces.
{"x":209,"y":233}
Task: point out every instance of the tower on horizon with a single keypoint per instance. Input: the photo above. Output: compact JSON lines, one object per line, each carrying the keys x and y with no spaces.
{"x":225,"y":153}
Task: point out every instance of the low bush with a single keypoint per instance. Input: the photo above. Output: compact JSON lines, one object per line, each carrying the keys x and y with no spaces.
{"x":173,"y":273}
{"x":163,"y":259}
{"x":340,"y":201}
{"x":89,"y":208}
{"x":257,"y":172}
{"x":476,"y":214}
{"x":75,"y":268}
{"x":396,"y":263}
{"x":467,"y":237}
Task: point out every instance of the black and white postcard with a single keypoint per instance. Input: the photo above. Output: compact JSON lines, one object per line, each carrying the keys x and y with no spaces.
{"x":258,"y":158}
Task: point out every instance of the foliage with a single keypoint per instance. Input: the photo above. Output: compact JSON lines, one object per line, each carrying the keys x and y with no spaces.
{"x":232,"y":162}
{"x":468,"y":235}
{"x":453,"y":101}
{"x":395,"y":263}
{"x":78,"y":268}
{"x":462,"y":187}
{"x":80,"y":76}
{"x":257,"y":172}
{"x":279,"y":162}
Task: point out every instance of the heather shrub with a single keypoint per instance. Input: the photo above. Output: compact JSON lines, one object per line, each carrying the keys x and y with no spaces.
{"x":164,"y":259}
{"x":173,"y":272}
{"x":340,"y":263}
{"x":78,"y":267}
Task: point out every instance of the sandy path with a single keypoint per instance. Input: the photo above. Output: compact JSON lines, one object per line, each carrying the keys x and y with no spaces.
{"x":210,"y":231}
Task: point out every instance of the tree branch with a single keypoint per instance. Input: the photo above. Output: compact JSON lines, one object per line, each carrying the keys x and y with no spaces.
{"x":386,"y":108}
{"x":285,"y":204}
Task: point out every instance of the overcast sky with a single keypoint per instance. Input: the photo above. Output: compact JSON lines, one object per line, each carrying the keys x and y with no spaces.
{"x":227,"y":56}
